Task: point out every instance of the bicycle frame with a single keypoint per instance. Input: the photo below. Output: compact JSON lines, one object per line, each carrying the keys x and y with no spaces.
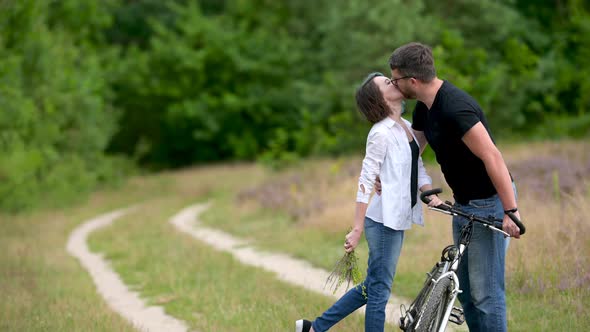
{"x":448,"y":271}
{"x":423,"y":306}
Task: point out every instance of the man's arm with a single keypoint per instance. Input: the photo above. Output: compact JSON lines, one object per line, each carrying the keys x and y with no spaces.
{"x":422,"y":142}
{"x":480,"y":143}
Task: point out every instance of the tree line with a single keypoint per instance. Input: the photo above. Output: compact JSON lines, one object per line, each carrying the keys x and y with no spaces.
{"x":90,"y":89}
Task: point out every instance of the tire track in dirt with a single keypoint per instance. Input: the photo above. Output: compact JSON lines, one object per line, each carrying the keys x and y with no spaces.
{"x":109,"y":285}
{"x":152,"y":318}
{"x":289,"y":269}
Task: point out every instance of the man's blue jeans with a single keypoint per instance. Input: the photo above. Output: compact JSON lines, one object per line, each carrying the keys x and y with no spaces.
{"x":384,"y":248}
{"x":481,"y":271}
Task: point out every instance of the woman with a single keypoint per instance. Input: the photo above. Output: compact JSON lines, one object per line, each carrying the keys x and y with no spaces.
{"x":392,"y":153}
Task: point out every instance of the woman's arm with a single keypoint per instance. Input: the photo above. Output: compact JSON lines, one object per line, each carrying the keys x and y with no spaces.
{"x":372,"y":163}
{"x":353,"y":237}
{"x":374,"y":157}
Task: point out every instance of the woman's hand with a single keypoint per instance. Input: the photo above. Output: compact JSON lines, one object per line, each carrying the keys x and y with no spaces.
{"x":352,"y":240}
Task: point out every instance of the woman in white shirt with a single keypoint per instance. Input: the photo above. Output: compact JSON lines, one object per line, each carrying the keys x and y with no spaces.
{"x":392,"y":154}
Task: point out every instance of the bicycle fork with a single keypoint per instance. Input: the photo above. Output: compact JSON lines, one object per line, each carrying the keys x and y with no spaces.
{"x":452,"y":313}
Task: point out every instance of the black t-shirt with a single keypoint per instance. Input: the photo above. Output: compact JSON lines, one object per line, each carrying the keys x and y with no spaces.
{"x":452,"y":114}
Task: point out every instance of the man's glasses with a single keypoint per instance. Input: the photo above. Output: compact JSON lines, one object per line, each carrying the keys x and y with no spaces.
{"x":394,"y":80}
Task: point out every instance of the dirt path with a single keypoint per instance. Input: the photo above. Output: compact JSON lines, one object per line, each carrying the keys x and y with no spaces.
{"x":292,"y":270}
{"x":287,"y":268}
{"x":152,"y":318}
{"x":125,"y":302}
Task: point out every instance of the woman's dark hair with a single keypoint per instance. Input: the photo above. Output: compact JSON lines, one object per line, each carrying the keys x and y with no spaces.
{"x":370,"y":101}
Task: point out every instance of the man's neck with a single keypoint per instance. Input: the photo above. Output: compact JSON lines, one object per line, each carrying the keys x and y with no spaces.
{"x":429,"y":91}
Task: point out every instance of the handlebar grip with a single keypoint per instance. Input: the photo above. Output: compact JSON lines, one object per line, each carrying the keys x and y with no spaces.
{"x":423,"y":195}
{"x":517,"y":222}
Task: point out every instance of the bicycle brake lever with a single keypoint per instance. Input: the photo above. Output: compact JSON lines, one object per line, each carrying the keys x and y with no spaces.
{"x":435,"y":208}
{"x":497,"y":229}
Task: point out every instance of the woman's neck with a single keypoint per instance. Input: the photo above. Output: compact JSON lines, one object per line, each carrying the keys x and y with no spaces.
{"x":396,"y":112}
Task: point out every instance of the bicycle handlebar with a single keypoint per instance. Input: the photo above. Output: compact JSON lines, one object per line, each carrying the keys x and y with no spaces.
{"x":447,"y":207}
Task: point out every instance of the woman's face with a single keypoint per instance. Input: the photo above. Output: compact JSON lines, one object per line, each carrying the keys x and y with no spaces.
{"x":390,"y":92}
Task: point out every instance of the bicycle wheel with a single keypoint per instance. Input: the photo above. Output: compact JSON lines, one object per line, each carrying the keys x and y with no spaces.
{"x":408,"y":320}
{"x":430,"y":318}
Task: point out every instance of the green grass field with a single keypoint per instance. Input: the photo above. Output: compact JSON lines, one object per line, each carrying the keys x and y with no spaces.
{"x":304,"y":212}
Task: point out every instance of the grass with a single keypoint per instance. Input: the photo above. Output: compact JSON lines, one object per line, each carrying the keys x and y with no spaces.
{"x":304,"y":212}
{"x":211,"y":291}
{"x":548,"y":275}
{"x":44,"y":289}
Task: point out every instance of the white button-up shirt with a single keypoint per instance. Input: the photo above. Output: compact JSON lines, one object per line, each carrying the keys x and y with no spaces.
{"x":389,"y":155}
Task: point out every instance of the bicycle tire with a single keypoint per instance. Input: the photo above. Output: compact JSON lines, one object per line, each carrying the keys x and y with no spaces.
{"x":417,"y":305}
{"x":435,"y":306}
{"x":429,"y":284}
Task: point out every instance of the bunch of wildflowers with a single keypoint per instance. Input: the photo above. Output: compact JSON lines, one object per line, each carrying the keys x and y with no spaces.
{"x":346,"y":270}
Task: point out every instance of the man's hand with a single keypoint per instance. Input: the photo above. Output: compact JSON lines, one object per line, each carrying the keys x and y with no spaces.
{"x":435,"y":201}
{"x":378,"y":186}
{"x":510,"y":227}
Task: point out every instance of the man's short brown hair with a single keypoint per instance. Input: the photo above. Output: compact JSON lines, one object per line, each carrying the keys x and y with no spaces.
{"x":415,"y":60}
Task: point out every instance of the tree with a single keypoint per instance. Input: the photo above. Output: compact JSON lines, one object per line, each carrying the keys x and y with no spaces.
{"x":55,"y":116}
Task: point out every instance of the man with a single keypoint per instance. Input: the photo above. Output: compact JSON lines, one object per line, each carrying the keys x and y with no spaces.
{"x":454,"y":125}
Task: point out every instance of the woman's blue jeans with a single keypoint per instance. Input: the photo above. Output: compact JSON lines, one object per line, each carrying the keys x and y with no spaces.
{"x":384,"y":248}
{"x":481,"y":271}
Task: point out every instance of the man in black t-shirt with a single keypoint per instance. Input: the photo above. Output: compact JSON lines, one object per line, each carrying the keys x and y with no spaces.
{"x":452,"y":122}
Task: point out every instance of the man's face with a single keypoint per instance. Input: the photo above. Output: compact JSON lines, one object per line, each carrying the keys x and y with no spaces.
{"x":403,"y":83}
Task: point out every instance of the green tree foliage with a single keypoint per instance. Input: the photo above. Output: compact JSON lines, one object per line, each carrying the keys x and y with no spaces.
{"x":500,"y":73}
{"x":54,"y":116}
{"x":176,"y":82}
{"x":207,"y":89}
{"x":264,"y":79}
{"x":557,"y":100}
{"x":566,"y":67}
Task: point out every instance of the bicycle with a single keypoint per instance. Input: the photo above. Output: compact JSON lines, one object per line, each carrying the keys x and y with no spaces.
{"x":434,"y":306}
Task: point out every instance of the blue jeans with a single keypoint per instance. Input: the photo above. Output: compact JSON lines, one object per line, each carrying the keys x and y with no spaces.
{"x":481,"y":271}
{"x":384,"y":248}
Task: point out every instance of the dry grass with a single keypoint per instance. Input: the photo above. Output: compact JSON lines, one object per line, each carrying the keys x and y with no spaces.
{"x":306,"y":212}
{"x":43,"y":288}
{"x":549,"y":266}
{"x":574,"y":150}
{"x":558,"y":226}
{"x":208,"y":289}
{"x":555,"y":253}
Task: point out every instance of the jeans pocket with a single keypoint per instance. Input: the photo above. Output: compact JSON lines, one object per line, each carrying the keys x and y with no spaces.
{"x":484,"y":203}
